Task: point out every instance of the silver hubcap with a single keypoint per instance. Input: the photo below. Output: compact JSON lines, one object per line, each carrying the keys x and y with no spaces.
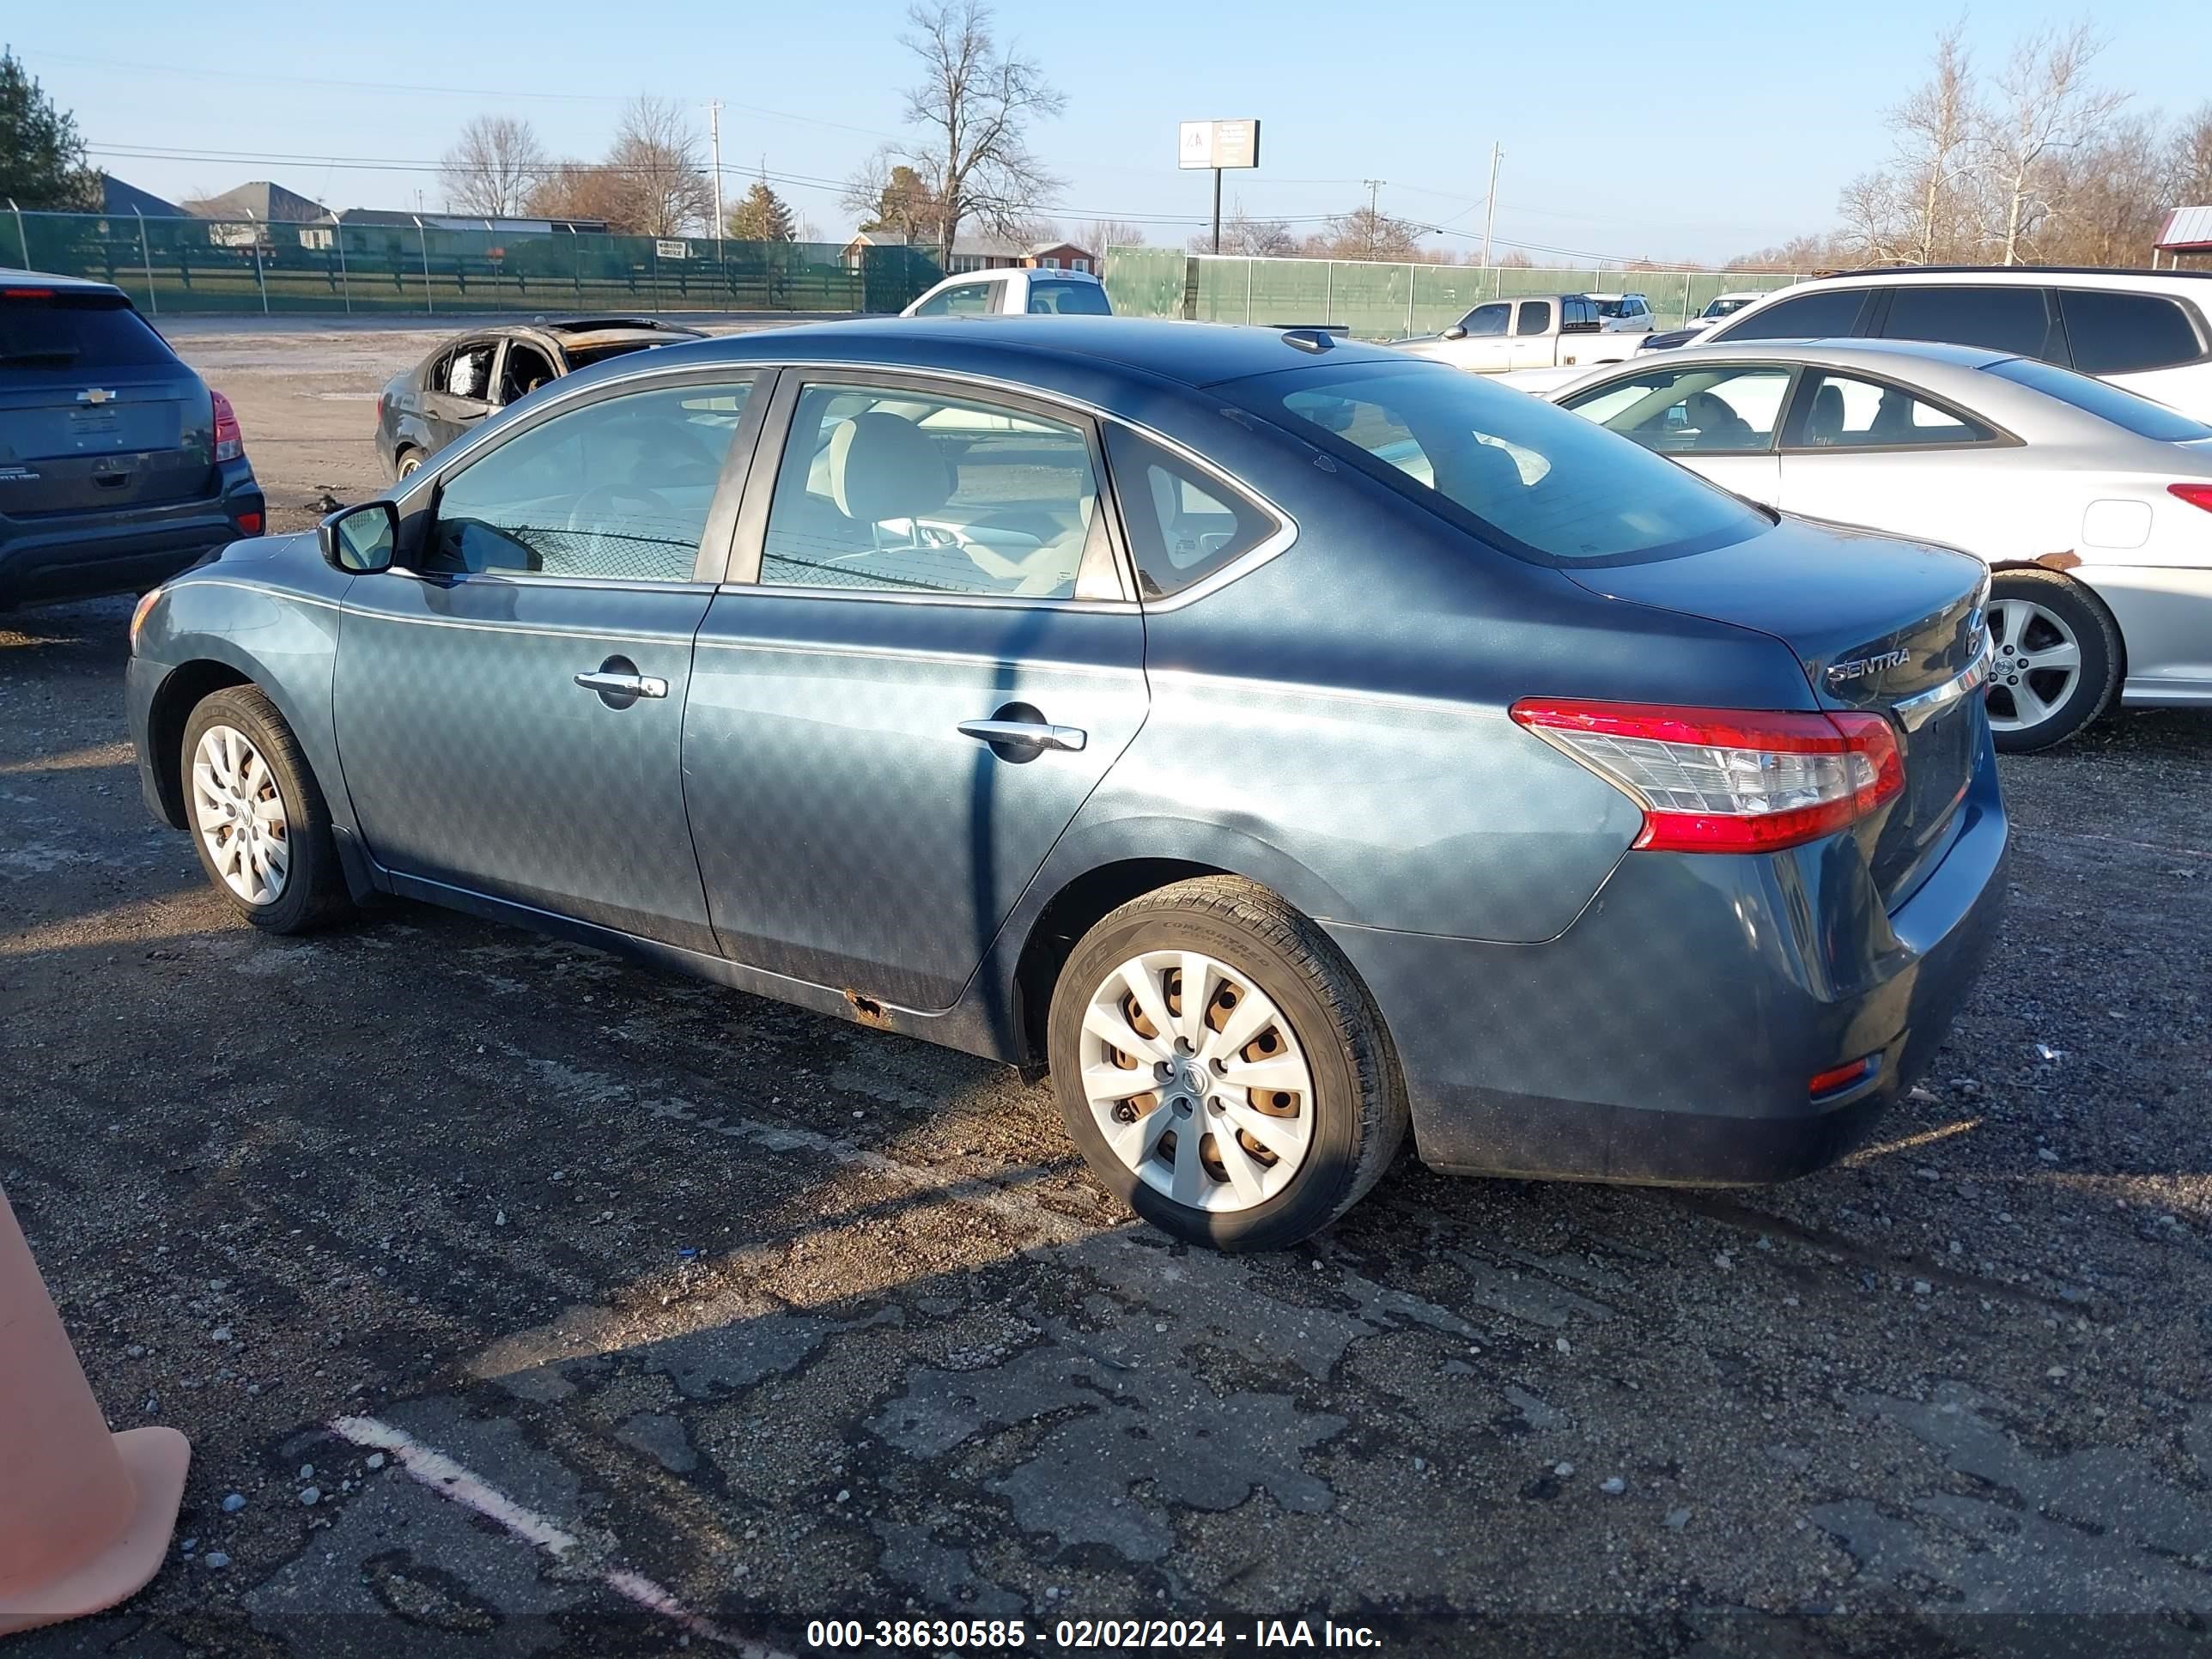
{"x":2039,"y":664}
{"x":409,"y":465}
{"x":1196,"y":1081}
{"x":240,"y":815}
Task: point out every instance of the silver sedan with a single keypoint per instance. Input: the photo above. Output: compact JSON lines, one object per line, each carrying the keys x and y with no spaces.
{"x":2092,"y":505}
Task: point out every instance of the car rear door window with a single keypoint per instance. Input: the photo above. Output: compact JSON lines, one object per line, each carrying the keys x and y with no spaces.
{"x":1842,"y":411}
{"x":2127,"y":333}
{"x":1536,"y":317}
{"x":1831,"y":314}
{"x":1706,"y":409}
{"x":921,"y":492}
{"x":55,"y":328}
{"x":616,"y":490}
{"x":1183,"y":523}
{"x":2013,"y":317}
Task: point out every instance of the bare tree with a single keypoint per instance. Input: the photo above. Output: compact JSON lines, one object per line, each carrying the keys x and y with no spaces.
{"x":1922,"y":208}
{"x":974,"y":107}
{"x":661,"y":172}
{"x":2049,"y":106}
{"x":2189,"y":163}
{"x":493,"y":166}
{"x":1101,"y":234}
{"x":1366,"y":232}
{"x":2110,"y":198}
{"x":1243,"y":233}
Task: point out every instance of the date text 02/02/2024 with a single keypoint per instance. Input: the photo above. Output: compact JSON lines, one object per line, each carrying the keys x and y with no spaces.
{"x":1007,"y":1635}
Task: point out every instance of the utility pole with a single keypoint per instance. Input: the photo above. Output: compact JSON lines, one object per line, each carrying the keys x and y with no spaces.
{"x":714,"y":144}
{"x":1490,"y":202}
{"x":1374,"y":213}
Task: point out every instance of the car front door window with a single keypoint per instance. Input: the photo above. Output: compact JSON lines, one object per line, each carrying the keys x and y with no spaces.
{"x":1490,"y":319}
{"x":897,"y":491}
{"x":1702,"y":410}
{"x":618,"y":490}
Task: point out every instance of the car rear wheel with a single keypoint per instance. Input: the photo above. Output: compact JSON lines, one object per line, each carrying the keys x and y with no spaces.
{"x":410,"y":460}
{"x":2056,"y":659}
{"x":257,"y":821}
{"x":1222,"y":1068}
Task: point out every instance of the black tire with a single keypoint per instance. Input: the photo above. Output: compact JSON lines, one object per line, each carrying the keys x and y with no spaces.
{"x":405,"y":462}
{"x":1359,"y":1101}
{"x":2095,"y":686}
{"x":313,"y":892}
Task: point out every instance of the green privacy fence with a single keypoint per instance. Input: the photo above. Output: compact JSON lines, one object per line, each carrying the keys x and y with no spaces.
{"x":170,"y":266}
{"x":1381,"y":301}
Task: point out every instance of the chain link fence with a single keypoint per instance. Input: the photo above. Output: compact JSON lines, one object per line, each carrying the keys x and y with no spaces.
{"x":173,"y":266}
{"x":1383,"y":301}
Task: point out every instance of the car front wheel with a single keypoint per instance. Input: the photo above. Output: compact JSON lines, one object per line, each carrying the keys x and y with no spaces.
{"x":257,"y":821}
{"x":1221,"y":1067}
{"x":2056,"y":660}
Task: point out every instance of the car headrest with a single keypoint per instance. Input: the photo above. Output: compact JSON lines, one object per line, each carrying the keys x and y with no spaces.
{"x":882,"y":467}
{"x":1475,"y":474}
{"x":1826,"y":421}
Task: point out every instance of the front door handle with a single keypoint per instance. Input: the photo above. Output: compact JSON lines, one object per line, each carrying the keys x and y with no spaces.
{"x":1029,"y":734}
{"x":627,"y":685}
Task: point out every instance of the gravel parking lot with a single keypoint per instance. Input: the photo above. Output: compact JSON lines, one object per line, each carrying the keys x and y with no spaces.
{"x":758,"y":1318}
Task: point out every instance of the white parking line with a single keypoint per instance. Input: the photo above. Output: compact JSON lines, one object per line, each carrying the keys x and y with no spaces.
{"x":449,"y":1479}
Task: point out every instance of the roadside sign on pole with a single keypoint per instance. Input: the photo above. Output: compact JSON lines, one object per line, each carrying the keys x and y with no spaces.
{"x":1202,"y":144}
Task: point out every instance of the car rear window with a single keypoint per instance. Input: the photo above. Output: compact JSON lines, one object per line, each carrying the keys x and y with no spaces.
{"x":89,"y":331}
{"x":1535,"y":481}
{"x":1070,"y":298}
{"x":2108,"y":402}
{"x":2126,"y":333}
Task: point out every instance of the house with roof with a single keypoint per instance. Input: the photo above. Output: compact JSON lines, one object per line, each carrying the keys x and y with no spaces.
{"x":118,"y":197}
{"x":982,"y":251}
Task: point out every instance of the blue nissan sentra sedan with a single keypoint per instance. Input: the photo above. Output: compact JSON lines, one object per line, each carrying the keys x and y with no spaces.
{"x":1279,"y":742}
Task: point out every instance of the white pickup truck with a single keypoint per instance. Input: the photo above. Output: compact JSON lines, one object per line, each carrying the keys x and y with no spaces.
{"x":1551,"y":331}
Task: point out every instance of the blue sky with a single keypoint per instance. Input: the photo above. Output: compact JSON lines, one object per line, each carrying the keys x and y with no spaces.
{"x":1724,"y":128}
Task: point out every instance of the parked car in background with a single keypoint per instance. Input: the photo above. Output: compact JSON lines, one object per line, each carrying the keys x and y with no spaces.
{"x":119,"y":465}
{"x":1496,"y":777}
{"x":2146,"y":331}
{"x":1622,"y":313}
{"x":1543,"y":331}
{"x":1018,"y":291}
{"x":1720,"y":305}
{"x":2092,"y":505}
{"x":420,"y":412}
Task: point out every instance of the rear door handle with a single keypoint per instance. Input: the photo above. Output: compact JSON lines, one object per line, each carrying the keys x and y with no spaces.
{"x":628,"y":685}
{"x":1032,"y":733}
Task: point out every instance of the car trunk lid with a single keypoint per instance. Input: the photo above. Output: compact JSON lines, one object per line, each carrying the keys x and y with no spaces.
{"x":1878,"y":625}
{"x":96,"y":410}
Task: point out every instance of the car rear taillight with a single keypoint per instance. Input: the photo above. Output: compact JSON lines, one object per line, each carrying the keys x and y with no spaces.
{"x":2196,"y":495}
{"x":229,"y":441}
{"x":1728,"y":780}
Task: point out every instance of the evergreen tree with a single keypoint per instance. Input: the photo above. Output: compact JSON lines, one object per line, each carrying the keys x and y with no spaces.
{"x":761,"y":217}
{"x":42,"y":159}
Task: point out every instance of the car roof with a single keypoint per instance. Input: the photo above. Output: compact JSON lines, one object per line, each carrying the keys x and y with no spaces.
{"x":1022,"y":347}
{"x":16,"y":276}
{"x":1840,"y":351}
{"x":595,"y":325}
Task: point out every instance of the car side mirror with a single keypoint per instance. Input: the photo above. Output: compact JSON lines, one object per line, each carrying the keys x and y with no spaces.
{"x":359,"y":540}
{"x":1456,"y":331}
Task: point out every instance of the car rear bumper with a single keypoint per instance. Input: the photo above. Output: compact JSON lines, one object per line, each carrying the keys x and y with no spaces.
{"x":1671,"y":1035}
{"x":127,"y":549}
